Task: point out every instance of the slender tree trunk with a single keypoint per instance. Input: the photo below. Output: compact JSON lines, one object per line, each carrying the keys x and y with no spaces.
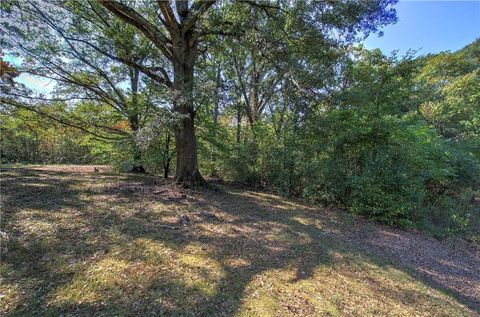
{"x":136,"y":151}
{"x":134,"y":121}
{"x":216,"y":109}
{"x":239,"y":121}
{"x":166,"y":156}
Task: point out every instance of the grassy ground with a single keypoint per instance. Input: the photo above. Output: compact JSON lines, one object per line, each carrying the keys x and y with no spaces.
{"x":98,"y":244}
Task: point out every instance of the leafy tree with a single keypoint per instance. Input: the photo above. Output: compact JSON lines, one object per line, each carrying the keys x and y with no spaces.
{"x":453,"y":82}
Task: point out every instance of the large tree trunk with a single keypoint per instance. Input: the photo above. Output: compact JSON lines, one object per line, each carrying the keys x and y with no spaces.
{"x":186,"y":172}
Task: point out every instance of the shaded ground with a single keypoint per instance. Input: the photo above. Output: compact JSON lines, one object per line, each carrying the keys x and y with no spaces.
{"x":82,"y":243}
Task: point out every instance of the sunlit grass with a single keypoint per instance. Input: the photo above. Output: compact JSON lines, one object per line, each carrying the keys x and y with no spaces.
{"x":89,"y":245}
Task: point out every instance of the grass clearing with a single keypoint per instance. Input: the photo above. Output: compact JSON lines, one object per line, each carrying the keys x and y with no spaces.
{"x":83,"y":244}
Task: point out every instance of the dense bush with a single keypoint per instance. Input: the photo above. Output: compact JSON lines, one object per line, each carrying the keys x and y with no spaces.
{"x":376,"y":152}
{"x":396,"y":170}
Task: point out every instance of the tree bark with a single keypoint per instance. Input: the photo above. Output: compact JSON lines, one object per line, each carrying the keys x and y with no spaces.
{"x":186,"y":172}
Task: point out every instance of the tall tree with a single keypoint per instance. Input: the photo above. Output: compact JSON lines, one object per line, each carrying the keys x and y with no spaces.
{"x":180,"y":47}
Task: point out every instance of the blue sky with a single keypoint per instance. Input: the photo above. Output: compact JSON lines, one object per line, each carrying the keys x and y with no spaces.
{"x":431,"y":26}
{"x":38,"y":84}
{"x":428,"y":26}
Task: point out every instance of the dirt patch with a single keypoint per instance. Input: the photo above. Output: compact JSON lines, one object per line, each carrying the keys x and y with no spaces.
{"x":452,"y":264}
{"x":78,"y":169}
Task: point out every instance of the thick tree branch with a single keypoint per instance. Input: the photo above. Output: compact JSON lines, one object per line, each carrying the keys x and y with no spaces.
{"x":198,"y":8}
{"x":132,"y":17}
{"x":168,"y":16}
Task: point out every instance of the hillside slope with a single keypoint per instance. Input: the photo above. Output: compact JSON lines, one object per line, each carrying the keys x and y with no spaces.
{"x":80,"y":243}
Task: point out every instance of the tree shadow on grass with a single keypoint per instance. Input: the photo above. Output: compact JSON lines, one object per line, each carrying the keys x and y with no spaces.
{"x":307,"y":247}
{"x":99,"y":260}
